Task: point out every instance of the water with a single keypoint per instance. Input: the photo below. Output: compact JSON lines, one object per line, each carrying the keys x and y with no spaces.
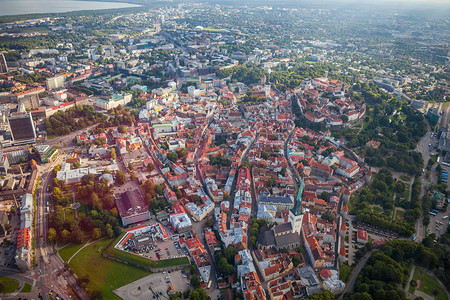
{"x":20,"y":7}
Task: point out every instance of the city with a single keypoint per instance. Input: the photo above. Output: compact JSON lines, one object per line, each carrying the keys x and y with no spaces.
{"x":184,"y":150}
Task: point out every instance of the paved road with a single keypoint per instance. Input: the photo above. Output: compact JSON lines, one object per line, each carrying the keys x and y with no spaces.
{"x":351,"y":282}
{"x":52,"y":273}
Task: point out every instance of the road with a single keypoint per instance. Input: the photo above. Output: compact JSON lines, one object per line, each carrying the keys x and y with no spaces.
{"x":351,"y":282}
{"x":50,"y":270}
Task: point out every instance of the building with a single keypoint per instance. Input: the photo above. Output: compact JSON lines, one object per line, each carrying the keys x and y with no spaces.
{"x":45,"y":152}
{"x":180,"y":222}
{"x":362,"y":237}
{"x":132,"y":208}
{"x":109,"y":102}
{"x":24,"y":250}
{"x":22,"y":129}
{"x":280,"y":202}
{"x":55,"y":82}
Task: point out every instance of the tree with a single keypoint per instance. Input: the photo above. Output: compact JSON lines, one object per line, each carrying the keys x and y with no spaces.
{"x":51,"y":235}
{"x":264,"y":155}
{"x":323,"y":295}
{"x":199,"y":294}
{"x":77,"y":235}
{"x":325,"y":196}
{"x":96,"y":201}
{"x":120,"y":177}
{"x":172,"y":156}
{"x":113,"y":153}
{"x":150,"y":167}
{"x":283,"y":171}
{"x":96,"y":233}
{"x":122,"y":129}
{"x":109,"y":231}
{"x":271,"y":182}
{"x":195,"y":281}
{"x":65,"y":235}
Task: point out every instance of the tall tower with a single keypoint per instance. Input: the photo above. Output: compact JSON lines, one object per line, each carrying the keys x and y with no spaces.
{"x":3,"y":65}
{"x":295,"y":213}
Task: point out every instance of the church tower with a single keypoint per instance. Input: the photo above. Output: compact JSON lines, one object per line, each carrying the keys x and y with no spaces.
{"x":295,"y":213}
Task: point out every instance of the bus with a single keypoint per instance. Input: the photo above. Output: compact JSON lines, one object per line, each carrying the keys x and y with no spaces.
{"x":209,"y":284}
{"x":432,"y":213}
{"x":414,"y":238}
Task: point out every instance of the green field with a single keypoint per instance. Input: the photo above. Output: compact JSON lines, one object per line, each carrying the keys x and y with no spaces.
{"x":10,"y":284}
{"x":429,"y":285}
{"x":26,"y":288}
{"x":68,"y":251}
{"x":105,"y":275}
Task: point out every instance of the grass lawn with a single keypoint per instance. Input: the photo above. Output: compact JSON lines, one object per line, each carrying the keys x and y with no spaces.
{"x":70,"y":214}
{"x":377,"y":209}
{"x":405,"y":178}
{"x":429,"y":285}
{"x":26,"y":288}
{"x":82,"y":210}
{"x":105,"y":274}
{"x":69,"y":250}
{"x":11,"y":285}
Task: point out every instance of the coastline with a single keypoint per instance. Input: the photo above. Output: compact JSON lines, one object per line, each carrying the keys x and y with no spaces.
{"x":13,"y":18}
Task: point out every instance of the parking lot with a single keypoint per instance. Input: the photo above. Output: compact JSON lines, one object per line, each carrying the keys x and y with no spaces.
{"x":154,"y":286}
{"x":166,"y":249}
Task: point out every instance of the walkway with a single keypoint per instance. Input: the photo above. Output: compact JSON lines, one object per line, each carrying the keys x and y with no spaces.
{"x":351,"y":282}
{"x":89,"y":242}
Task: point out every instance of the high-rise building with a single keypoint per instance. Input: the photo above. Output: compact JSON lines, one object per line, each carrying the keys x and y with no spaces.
{"x":3,"y":64}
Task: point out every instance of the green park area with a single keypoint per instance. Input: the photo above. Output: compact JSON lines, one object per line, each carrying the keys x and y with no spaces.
{"x":104,"y":275}
{"x":428,"y":284}
{"x":69,"y":250}
{"x":8,"y":285}
{"x":26,"y":288}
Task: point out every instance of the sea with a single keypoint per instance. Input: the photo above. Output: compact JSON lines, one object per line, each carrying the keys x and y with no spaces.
{"x":20,"y":7}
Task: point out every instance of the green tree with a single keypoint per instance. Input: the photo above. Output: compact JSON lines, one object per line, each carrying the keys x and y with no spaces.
{"x":120,"y":177}
{"x":195,"y":281}
{"x":51,"y":235}
{"x":96,"y":233}
{"x":113,"y":153}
